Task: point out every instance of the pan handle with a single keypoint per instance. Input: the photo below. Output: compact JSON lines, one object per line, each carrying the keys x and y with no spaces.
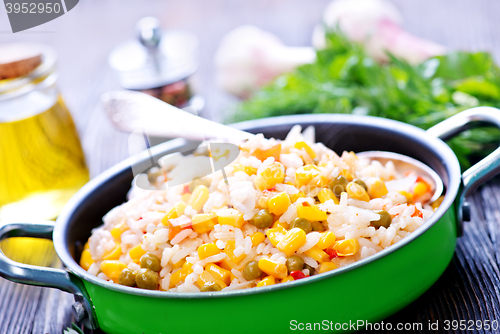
{"x":485,"y":169}
{"x":43,"y":276}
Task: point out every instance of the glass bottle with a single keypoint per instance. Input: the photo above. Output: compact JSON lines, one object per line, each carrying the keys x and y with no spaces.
{"x":41,"y":159}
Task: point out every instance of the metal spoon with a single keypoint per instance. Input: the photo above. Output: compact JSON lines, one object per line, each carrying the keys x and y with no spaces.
{"x":129,"y":111}
{"x":404,"y":164}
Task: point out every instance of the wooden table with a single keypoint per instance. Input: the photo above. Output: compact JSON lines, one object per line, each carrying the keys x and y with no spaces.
{"x":470,"y":287}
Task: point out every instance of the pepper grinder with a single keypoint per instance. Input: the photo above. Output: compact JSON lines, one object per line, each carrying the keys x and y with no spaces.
{"x":161,"y":63}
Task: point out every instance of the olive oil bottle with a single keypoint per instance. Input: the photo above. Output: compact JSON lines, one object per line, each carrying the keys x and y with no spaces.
{"x":41,"y":160}
{"x":41,"y":164}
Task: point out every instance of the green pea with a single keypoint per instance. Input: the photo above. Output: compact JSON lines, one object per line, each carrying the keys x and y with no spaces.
{"x":317,"y":226}
{"x":263,"y":219}
{"x":301,"y":223}
{"x":210,"y":286}
{"x":153,"y":174}
{"x":147,"y":279}
{"x":294,"y":263}
{"x":127,"y":277}
{"x":252,"y":271}
{"x":312,"y":271}
{"x":338,"y":185}
{"x":197,"y":182}
{"x":361,"y":183}
{"x":151,"y":261}
{"x":385,"y":219}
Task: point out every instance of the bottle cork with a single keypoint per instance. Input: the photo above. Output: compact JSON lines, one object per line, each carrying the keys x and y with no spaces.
{"x":19,"y":59}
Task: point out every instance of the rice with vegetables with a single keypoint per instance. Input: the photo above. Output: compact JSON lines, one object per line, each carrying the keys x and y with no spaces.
{"x":290,"y":209}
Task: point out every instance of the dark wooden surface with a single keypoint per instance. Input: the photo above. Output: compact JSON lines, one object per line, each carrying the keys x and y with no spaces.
{"x":470,"y":287}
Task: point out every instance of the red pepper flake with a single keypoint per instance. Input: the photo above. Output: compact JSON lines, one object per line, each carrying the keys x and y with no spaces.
{"x":306,"y":204}
{"x":139,"y":218}
{"x":186,"y":189}
{"x":297,"y":274}
{"x":332,"y":253}
{"x":269,"y":190}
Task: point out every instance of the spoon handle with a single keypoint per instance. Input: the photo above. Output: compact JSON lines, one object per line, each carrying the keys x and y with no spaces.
{"x":131,"y":111}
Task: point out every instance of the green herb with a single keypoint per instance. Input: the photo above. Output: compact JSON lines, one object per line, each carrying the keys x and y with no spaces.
{"x":343,"y":79}
{"x":74,"y":329}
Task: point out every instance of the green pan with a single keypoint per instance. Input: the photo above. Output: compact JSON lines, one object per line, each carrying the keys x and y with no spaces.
{"x":343,"y":299}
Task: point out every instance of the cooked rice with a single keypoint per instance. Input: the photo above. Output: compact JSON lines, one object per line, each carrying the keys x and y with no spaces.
{"x":141,"y":216}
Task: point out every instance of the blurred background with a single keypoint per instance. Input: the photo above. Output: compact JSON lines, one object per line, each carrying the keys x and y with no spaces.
{"x":84,"y":37}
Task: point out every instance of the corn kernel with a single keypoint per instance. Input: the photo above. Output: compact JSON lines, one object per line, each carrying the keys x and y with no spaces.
{"x":207,"y":277}
{"x":207,"y":250}
{"x":318,"y":182}
{"x":327,"y":240}
{"x":277,"y":223}
{"x":311,"y":213}
{"x":304,"y":175}
{"x":326,"y":194}
{"x":117,"y":231}
{"x":287,"y":279}
{"x":175,"y":279}
{"x":204,"y":222}
{"x":269,"y":280}
{"x":420,"y":188}
{"x":295,"y":197}
{"x":347,"y":174}
{"x":257,"y":238}
{"x":231,"y":217}
{"x":270,"y":152}
{"x":175,"y":212}
{"x":275,"y":235}
{"x":86,"y":259}
{"x":218,"y":272}
{"x":302,"y":145}
{"x":272,"y":175}
{"x":409,"y":197}
{"x":278,"y":204}
{"x":86,"y":246}
{"x":112,"y":268}
{"x":250,"y":170}
{"x":317,"y":254}
{"x":179,"y":264}
{"x":198,"y":197}
{"x":187,"y":268}
{"x":114,"y":254}
{"x":327,"y":266}
{"x":357,"y":191}
{"x":136,"y":252}
{"x":181,"y":274}
{"x":346,"y":247}
{"x":273,"y":268}
{"x":229,"y":250}
{"x":292,"y":241}
{"x":377,"y":189}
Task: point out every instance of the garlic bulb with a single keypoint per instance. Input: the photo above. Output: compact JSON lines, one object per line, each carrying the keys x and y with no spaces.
{"x":376,"y":24}
{"x":248,"y":58}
